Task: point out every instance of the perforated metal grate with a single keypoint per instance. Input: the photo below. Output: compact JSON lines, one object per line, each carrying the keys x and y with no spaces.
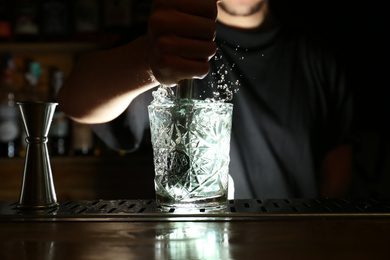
{"x":148,"y":210}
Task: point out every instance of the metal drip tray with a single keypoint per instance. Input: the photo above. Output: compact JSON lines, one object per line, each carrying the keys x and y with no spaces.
{"x":148,"y":210}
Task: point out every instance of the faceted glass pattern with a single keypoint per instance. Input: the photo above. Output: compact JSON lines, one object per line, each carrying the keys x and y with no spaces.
{"x":191,"y":143}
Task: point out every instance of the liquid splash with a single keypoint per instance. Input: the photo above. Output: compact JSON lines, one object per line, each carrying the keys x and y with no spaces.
{"x":223,"y":89}
{"x":163,"y":95}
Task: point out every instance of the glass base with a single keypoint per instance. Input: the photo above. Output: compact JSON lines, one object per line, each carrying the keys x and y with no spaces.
{"x":217,"y":203}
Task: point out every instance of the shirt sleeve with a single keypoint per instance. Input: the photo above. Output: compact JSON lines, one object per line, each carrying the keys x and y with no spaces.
{"x":127,"y":130}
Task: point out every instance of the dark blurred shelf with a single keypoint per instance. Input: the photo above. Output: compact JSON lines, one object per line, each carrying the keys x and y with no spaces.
{"x":49,"y":47}
{"x":87,"y":177}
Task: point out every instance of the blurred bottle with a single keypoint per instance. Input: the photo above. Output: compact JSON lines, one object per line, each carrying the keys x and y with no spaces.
{"x":26,"y":23}
{"x":30,"y":92}
{"x":10,"y":120}
{"x":82,"y":139}
{"x":117,"y":17}
{"x":141,"y":11}
{"x":86,"y":19}
{"x":59,"y":134}
{"x":5,"y":20}
{"x":55,"y":19}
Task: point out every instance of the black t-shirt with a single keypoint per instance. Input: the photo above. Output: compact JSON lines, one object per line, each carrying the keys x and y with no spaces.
{"x":291,"y":107}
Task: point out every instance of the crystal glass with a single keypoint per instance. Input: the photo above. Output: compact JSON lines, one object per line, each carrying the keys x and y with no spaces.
{"x":191,"y":143}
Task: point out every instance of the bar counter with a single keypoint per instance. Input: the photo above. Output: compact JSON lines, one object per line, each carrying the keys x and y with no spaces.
{"x":247,"y":229}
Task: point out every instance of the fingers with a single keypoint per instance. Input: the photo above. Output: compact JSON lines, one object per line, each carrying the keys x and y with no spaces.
{"x":202,"y":8}
{"x":181,"y":34}
{"x":185,"y":48}
{"x":173,"y":69}
{"x":181,"y":24}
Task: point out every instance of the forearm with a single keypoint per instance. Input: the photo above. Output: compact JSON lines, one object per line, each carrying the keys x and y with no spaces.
{"x":103,"y":83}
{"x":178,"y":45}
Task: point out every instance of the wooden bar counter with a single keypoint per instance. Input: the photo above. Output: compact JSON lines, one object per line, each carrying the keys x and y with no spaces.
{"x":248,"y":229}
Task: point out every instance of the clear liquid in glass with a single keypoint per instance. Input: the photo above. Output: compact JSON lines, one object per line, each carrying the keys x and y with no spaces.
{"x":191,"y":144}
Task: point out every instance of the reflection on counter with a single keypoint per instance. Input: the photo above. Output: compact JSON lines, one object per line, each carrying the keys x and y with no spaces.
{"x":193,"y":240}
{"x":44,"y":250}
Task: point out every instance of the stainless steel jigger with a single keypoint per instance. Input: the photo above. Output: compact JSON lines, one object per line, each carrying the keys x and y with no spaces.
{"x":37,"y":186}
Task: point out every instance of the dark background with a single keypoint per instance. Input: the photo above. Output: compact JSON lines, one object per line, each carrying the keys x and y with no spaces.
{"x":359,"y":31}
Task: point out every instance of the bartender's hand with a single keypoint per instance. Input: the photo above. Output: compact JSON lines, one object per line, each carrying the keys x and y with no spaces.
{"x":181,"y":39}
